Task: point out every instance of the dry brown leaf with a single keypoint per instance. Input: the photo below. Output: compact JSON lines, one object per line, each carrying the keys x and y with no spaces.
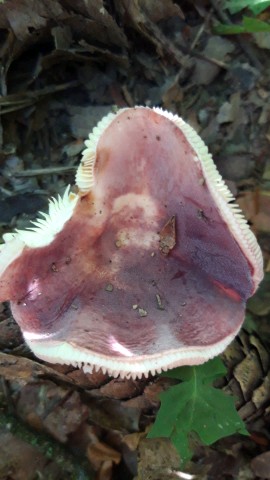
{"x":21,"y":461}
{"x":119,"y":388}
{"x":132,"y":440}
{"x":261,"y":465}
{"x":158,"y":10}
{"x":99,"y":452}
{"x":157,"y":459}
{"x":167,"y":236}
{"x":143,"y":16}
{"x":28,"y":18}
{"x":256,"y":207}
{"x":106,"y":471}
{"x":172,"y":95}
{"x":102,"y":26}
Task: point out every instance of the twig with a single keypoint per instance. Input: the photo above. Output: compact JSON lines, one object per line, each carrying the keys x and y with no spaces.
{"x":17,"y":101}
{"x":201,"y":30}
{"x":219,"y":63}
{"x":44,"y":171}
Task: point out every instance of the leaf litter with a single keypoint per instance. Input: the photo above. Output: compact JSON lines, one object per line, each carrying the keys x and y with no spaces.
{"x":63,"y":65}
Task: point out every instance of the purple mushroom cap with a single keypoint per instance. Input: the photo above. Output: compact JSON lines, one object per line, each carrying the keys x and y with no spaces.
{"x":147,"y":267}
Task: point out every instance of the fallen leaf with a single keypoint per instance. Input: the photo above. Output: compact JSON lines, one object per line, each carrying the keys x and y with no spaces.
{"x":261,"y":465}
{"x":99,"y":452}
{"x":21,"y":461}
{"x":167,"y":236}
{"x":256,"y":207}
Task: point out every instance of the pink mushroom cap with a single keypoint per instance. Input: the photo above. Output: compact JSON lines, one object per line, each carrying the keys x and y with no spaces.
{"x":147,"y":267}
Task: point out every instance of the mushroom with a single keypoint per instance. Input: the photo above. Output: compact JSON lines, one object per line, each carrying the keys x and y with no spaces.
{"x":147,"y":267}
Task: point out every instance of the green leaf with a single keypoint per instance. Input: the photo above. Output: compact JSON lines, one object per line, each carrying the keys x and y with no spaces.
{"x":196,"y":407}
{"x":253,"y":25}
{"x":208,"y":372}
{"x":256,"y":6}
{"x":249,"y":25}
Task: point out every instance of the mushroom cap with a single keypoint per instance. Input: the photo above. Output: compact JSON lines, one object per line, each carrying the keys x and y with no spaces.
{"x":147,"y":267}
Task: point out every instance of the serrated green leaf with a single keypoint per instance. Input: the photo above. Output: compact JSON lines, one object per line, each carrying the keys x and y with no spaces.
{"x":208,"y":372}
{"x":256,"y":6}
{"x":195,"y":407}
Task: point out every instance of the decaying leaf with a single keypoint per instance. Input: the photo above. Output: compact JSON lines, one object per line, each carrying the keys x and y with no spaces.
{"x":61,"y":60}
{"x":260,"y":465}
{"x":19,"y":460}
{"x":256,"y":206}
{"x":167,"y":236}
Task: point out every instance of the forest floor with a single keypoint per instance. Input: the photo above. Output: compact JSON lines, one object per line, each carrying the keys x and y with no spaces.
{"x":64,"y":65}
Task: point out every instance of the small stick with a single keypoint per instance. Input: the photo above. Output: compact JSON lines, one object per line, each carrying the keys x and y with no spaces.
{"x":44,"y":171}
